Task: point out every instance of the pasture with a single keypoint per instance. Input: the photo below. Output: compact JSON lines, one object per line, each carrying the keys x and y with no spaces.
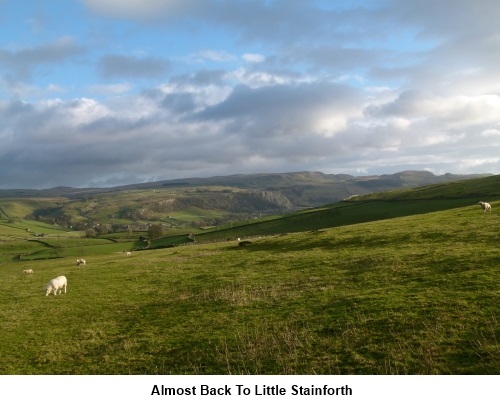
{"x":411,"y":295}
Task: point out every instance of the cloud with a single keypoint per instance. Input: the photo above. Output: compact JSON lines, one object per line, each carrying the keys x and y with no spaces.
{"x":245,"y":86}
{"x":463,"y":18}
{"x":70,"y":140}
{"x":213,"y":56}
{"x":253,"y":57}
{"x":21,"y":63}
{"x":448,"y":112}
{"x":289,"y":107}
{"x":493,"y":132}
{"x":120,"y":66}
{"x":250,"y":21}
{"x":193,"y":128}
{"x":143,"y":10}
{"x":110,"y":89}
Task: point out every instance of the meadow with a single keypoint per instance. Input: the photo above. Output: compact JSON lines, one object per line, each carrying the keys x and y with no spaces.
{"x":416,"y":294}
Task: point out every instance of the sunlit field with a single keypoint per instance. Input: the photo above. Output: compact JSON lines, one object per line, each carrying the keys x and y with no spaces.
{"x":411,"y":295}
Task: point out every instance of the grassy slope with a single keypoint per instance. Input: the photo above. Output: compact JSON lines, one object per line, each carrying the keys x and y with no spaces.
{"x":21,"y":207}
{"x":150,"y":201}
{"x":377,"y":206}
{"x":357,"y":210}
{"x":417,"y":294}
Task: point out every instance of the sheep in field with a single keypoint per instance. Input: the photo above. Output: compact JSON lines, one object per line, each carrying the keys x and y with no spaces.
{"x":128,"y":254}
{"x":28,"y":271}
{"x":486,"y":206}
{"x":56,"y":284}
{"x":81,"y":261}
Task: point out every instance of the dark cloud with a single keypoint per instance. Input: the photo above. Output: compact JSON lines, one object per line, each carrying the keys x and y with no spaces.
{"x":293,"y":101}
{"x":124,"y":66}
{"x":147,"y":10}
{"x":181,"y":103}
{"x":21,"y":63}
{"x":404,"y":106}
{"x":201,"y":78}
{"x":447,"y":19}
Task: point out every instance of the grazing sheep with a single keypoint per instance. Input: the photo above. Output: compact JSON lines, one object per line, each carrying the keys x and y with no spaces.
{"x":485,"y":205}
{"x":56,"y":284}
{"x":28,"y":271}
{"x":81,"y":261}
{"x":128,"y":254}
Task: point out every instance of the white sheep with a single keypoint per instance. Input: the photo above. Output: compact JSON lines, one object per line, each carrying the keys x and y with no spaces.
{"x":485,"y":205}
{"x":81,"y":261}
{"x":128,"y":254}
{"x":28,"y":271}
{"x":56,"y":284}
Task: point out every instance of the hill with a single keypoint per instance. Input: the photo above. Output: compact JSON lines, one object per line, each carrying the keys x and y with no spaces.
{"x":417,"y":294}
{"x":52,"y":227}
{"x":329,"y":187}
{"x":372,"y":207}
{"x":188,"y":204}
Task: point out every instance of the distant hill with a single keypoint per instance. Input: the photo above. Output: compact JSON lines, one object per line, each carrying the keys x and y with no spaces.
{"x":302,"y":188}
{"x":309,"y":189}
{"x":369,"y":208}
{"x":200,"y":202}
{"x":207,"y":213}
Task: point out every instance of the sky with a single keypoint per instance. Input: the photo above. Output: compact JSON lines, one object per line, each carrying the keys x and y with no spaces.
{"x":100,"y":93}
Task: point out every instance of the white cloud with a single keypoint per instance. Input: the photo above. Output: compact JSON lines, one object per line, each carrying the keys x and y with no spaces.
{"x":253,"y":57}
{"x":491,"y":132}
{"x":478,"y":165}
{"x":459,"y":111}
{"x":261,"y":78}
{"x":110,"y":89}
{"x":445,"y":111}
{"x":213,"y":56}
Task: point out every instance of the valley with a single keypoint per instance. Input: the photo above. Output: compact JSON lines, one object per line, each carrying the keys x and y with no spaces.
{"x":404,"y":281}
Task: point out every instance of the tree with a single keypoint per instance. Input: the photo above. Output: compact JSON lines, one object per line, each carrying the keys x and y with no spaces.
{"x":90,"y":233}
{"x":155,"y":231}
{"x":104,"y":229}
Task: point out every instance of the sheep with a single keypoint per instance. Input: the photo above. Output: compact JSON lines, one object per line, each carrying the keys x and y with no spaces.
{"x":56,"y":284}
{"x":486,"y":207}
{"x":81,"y":261}
{"x":128,"y":254}
{"x":28,"y":271}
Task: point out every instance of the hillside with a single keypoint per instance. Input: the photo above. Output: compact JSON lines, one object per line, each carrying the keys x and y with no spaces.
{"x":188,"y":204}
{"x":52,"y":227}
{"x":332,"y":187}
{"x":399,"y":282}
{"x":411,"y":295}
{"x":372,"y":207}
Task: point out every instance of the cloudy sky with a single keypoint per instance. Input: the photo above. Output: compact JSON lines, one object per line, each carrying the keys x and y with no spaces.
{"x":109,"y":92}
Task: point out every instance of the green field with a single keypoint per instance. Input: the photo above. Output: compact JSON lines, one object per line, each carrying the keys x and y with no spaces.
{"x":413,"y":294}
{"x":362,"y":209}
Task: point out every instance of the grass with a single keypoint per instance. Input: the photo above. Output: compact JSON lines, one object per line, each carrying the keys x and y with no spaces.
{"x":411,"y":295}
{"x":339,"y":214}
{"x":373,"y":207}
{"x":21,"y":207}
